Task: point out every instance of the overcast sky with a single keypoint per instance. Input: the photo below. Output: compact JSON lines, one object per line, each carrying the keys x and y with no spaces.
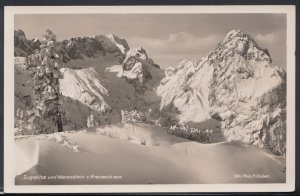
{"x":167,"y":38}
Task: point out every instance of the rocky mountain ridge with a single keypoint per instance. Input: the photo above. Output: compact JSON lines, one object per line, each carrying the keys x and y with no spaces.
{"x":236,"y":84}
{"x":75,"y":47}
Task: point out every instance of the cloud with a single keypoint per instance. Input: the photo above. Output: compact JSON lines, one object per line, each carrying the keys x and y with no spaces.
{"x":176,"y":47}
{"x":269,"y":38}
{"x":181,"y":42}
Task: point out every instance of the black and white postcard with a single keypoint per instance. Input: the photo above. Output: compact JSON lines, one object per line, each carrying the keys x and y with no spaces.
{"x":149,"y":98}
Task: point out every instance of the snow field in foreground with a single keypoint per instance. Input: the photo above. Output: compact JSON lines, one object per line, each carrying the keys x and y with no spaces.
{"x":154,"y":157}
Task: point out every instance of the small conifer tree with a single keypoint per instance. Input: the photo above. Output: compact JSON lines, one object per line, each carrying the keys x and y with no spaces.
{"x":43,"y":66}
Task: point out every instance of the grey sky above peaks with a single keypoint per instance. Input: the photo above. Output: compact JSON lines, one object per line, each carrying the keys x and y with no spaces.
{"x":167,"y":38}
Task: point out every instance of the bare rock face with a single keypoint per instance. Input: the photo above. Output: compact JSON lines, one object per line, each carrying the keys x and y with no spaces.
{"x":237,"y":84}
{"x":135,"y":67}
{"x":114,"y":45}
{"x":23,"y":46}
{"x":120,"y":43}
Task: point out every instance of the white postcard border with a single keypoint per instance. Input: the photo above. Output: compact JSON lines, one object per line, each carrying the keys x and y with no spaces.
{"x":9,"y":183}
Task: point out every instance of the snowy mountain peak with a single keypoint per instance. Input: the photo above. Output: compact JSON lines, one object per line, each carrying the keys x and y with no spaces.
{"x":235,"y":83}
{"x":238,"y":42}
{"x":238,"y":35}
{"x":135,"y":66}
{"x":235,"y":32}
{"x":140,"y":70}
{"x":138,"y":52}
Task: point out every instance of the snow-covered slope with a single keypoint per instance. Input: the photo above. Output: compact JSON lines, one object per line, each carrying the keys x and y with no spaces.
{"x":83,"y":85}
{"x":236,"y":83}
{"x":144,"y":155}
{"x":76,"y":112}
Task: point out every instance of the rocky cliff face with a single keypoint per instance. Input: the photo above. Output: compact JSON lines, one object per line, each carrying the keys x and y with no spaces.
{"x":23,"y":46}
{"x":135,"y":66}
{"x":236,"y":84}
{"x":114,"y":45}
{"x":138,"y":68}
{"x":120,"y":43}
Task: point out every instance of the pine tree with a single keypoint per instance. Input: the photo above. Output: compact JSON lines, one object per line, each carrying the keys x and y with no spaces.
{"x":18,"y":113}
{"x":92,"y":120}
{"x":43,"y":66}
{"x":88,"y":122}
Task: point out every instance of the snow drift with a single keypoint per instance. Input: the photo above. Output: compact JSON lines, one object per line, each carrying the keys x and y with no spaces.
{"x":165,"y":160}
